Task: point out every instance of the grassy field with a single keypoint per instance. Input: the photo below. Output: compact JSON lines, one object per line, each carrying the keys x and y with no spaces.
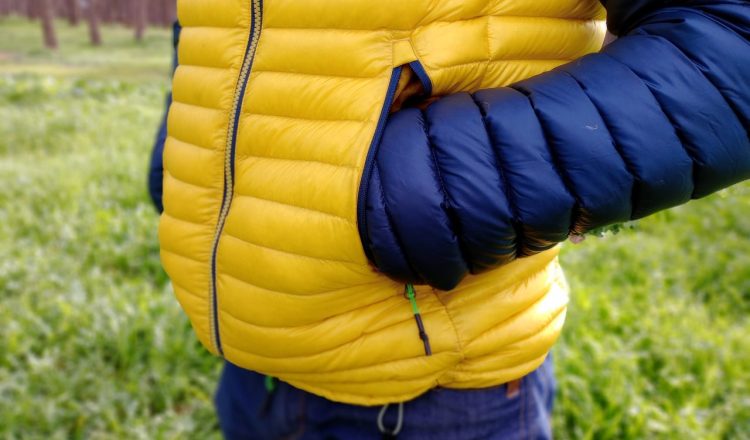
{"x":92,"y":344}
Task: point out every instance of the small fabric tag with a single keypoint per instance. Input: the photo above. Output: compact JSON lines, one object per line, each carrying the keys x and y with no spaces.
{"x":513,"y":389}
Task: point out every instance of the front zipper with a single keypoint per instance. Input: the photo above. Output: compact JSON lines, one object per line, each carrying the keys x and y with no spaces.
{"x":256,"y":7}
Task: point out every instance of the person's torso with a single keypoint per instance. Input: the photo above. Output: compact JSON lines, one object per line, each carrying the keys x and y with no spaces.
{"x":276,"y":104}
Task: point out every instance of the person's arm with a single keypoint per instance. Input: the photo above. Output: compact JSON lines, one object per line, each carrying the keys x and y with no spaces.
{"x":156,"y":166}
{"x":658,"y":117}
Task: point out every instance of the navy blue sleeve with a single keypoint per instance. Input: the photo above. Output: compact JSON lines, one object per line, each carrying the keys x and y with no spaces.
{"x":657,"y":118}
{"x":156,"y":165}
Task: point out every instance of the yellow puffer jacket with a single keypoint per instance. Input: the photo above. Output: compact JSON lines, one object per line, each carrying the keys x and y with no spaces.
{"x":276,"y":104}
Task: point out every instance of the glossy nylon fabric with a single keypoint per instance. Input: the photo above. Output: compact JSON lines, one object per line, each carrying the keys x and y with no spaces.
{"x":475,"y":181}
{"x":296,"y":295}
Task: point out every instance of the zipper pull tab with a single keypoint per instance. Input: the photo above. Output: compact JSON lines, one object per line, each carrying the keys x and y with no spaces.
{"x":411,"y":294}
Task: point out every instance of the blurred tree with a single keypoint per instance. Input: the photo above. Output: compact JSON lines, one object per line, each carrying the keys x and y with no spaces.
{"x":43,"y":9}
{"x":92,"y":18}
{"x":72,"y":10}
{"x":140,"y":13}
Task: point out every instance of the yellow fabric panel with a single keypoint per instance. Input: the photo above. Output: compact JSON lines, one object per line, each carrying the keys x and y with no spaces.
{"x":189,"y":163}
{"x":316,"y":186}
{"x":503,"y":73}
{"x":214,"y":13}
{"x":192,"y":238}
{"x":265,"y":307}
{"x":194,"y":305}
{"x":525,"y":38}
{"x":197,"y":125}
{"x":180,"y":203}
{"x":300,"y":139}
{"x":210,"y":47}
{"x":284,"y":272}
{"x":398,"y":383}
{"x":296,"y":296}
{"x":331,"y":52}
{"x":449,"y":44}
{"x":329,"y":345}
{"x":311,"y":97}
{"x":570,"y":9}
{"x":467,"y":55}
{"x":288,"y":228}
{"x":459,"y":379}
{"x":194,"y":89}
{"x":346,"y":14}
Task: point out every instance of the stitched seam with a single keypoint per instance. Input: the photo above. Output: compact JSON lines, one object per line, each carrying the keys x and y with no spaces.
{"x":279,"y":292}
{"x":268,"y":289}
{"x":198,"y":106}
{"x":695,"y":64}
{"x":291,"y":159}
{"x":506,"y":183}
{"x":182,"y":220}
{"x":515,"y":315}
{"x":420,"y":26}
{"x":677,"y":130}
{"x":281,"y":374}
{"x":459,"y":343}
{"x":559,"y":169}
{"x":184,"y":182}
{"x":245,"y":115}
{"x":618,"y":148}
{"x":196,"y":295}
{"x":239,"y":194}
{"x":203,"y":147}
{"x":291,"y":253}
{"x":452,"y":216}
{"x":391,"y":223}
{"x":321,"y":75}
{"x":501,"y":60}
{"x":309,"y":325}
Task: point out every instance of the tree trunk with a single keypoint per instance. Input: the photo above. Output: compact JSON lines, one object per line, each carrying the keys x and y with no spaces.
{"x":139,"y":18}
{"x":46,"y":14}
{"x":73,"y":12}
{"x":92,"y":17}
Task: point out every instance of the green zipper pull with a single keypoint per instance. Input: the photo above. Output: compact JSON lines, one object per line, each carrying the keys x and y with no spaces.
{"x":412,"y":295}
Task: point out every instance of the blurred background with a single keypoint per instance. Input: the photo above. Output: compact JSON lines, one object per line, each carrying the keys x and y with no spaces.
{"x":93,"y":345}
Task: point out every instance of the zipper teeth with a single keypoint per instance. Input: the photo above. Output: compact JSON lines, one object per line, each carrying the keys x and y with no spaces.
{"x":229,"y":167}
{"x":370,"y":159}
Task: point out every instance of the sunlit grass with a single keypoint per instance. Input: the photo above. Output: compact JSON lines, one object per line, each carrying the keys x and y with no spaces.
{"x":93,"y":345}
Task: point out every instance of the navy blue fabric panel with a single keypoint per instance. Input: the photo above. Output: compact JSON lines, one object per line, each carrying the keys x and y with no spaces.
{"x":731,"y":75}
{"x":156,"y":164}
{"x":708,"y":128}
{"x":417,"y":202}
{"x":472,"y":181}
{"x":734,"y":15}
{"x":584,"y":149}
{"x":624,"y":15}
{"x":383,"y":240}
{"x":543,"y":206}
{"x":660,"y":116}
{"x":643,"y":135}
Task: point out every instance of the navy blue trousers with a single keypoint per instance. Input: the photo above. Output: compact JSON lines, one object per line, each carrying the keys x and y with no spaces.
{"x":520,"y":411}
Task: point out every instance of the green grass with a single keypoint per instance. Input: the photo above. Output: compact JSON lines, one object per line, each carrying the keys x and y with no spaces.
{"x":93,"y":345}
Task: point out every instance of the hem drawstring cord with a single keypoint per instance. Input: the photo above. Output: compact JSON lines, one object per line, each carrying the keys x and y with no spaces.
{"x":392,"y":433}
